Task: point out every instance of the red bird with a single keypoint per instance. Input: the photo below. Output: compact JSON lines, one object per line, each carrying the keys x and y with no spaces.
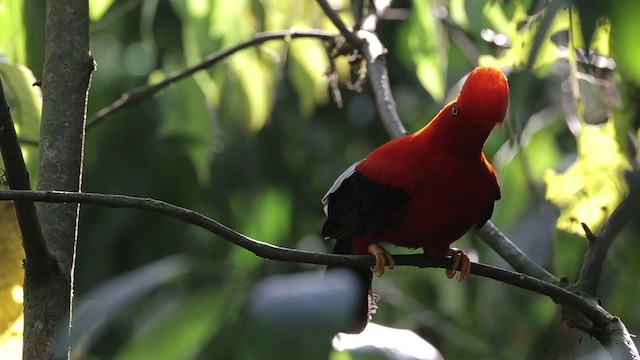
{"x":423,"y":190}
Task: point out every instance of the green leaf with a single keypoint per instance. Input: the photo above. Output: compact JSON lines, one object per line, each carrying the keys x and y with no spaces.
{"x":308,"y":61}
{"x":25,"y":101}
{"x":181,"y":334}
{"x":426,"y":46}
{"x":97,"y":8}
{"x":268,"y":219}
{"x":536,"y":151}
{"x":189,"y":122}
{"x":589,"y":190}
{"x":624,"y":38}
{"x":104,"y":304}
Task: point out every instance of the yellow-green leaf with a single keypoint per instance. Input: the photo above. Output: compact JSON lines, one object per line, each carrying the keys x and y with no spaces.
{"x":13,"y":34}
{"x":591,"y":188}
{"x":11,"y":257}
{"x":529,"y":45}
{"x":25,"y":101}
{"x":255,"y":81}
{"x":97,"y":8}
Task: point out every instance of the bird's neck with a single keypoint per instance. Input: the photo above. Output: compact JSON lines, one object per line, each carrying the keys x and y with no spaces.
{"x":454,"y":136}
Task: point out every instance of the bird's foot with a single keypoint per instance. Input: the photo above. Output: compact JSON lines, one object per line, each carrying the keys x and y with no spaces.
{"x":461,"y":260}
{"x":383,"y":258}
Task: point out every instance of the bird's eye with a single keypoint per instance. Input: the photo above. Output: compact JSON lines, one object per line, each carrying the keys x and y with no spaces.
{"x":454,"y":111}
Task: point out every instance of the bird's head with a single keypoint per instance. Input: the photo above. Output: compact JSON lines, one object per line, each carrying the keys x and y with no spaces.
{"x":484,"y":97}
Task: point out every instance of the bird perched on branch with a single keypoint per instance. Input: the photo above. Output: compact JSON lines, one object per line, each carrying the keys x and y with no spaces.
{"x":423,"y":190}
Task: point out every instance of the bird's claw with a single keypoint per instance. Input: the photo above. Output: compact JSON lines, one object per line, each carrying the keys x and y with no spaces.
{"x":383,"y":258}
{"x":461,"y":260}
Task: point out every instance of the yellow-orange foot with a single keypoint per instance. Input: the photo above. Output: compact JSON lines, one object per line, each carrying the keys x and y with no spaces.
{"x":383,"y":258}
{"x":460,"y":259}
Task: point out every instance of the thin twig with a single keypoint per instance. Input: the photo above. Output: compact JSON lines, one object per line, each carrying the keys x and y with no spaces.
{"x":142,"y":93}
{"x":595,"y":313}
{"x":342,"y":27}
{"x":35,"y":247}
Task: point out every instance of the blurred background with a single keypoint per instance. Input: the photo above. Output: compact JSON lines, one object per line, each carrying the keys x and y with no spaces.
{"x":256,"y":140}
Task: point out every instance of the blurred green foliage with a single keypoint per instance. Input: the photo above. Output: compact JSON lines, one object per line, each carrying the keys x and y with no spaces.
{"x":256,"y":140}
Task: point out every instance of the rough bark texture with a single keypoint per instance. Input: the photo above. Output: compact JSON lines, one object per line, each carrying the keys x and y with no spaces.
{"x":65,"y":81}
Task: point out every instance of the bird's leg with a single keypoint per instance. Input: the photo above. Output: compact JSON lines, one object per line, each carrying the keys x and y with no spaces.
{"x":460,"y":259}
{"x":383,"y":258}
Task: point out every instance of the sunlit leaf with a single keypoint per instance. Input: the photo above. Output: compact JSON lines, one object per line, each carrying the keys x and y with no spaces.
{"x":11,"y":257}
{"x":255,"y":80}
{"x":11,"y":340}
{"x":25,"y":101}
{"x":494,"y":12}
{"x":531,"y":37}
{"x":198,"y":8}
{"x":589,"y":12}
{"x":340,"y":355}
{"x":309,"y":60}
{"x":426,"y":46}
{"x":97,"y":8}
{"x":13,"y":35}
{"x":589,"y":190}
{"x":458,"y":12}
{"x":181,"y":334}
{"x":600,"y":40}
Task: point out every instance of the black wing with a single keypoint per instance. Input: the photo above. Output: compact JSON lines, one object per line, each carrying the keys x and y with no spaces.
{"x":356,"y":206}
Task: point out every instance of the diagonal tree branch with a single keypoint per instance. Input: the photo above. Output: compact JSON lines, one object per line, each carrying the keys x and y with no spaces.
{"x":139,"y":94}
{"x":507,"y":250}
{"x":599,"y":243}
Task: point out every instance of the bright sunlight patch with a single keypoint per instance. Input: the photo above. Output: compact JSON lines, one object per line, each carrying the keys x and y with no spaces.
{"x":591,"y":188}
